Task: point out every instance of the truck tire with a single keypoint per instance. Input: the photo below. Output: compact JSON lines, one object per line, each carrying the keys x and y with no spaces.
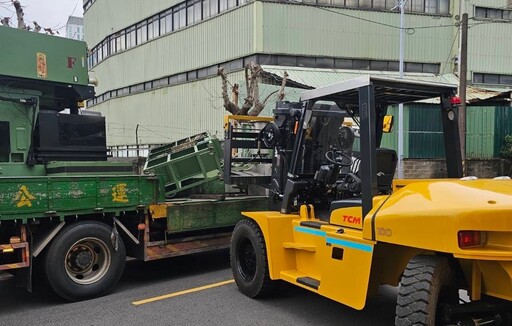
{"x":427,"y":282}
{"x":81,"y":262}
{"x":249,"y":260}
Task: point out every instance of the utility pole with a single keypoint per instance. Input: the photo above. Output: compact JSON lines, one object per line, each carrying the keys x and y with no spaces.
{"x":400,"y":165}
{"x":462,"y":88}
{"x":137,"y":139}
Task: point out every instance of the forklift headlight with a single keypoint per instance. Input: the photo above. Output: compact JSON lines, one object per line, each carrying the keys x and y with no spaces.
{"x":470,"y":239}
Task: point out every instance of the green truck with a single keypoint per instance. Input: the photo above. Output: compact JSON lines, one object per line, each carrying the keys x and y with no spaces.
{"x":68,"y":210}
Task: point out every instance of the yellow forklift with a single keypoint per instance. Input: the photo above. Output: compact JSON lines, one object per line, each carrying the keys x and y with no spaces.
{"x":341,"y":226}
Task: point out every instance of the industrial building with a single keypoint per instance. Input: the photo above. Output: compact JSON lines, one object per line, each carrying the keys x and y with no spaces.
{"x":75,"y":28}
{"x":157,"y":62}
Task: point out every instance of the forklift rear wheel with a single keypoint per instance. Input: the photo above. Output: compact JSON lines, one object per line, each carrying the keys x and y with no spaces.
{"x":249,"y":261}
{"x":427,"y":282}
{"x":81,"y":262}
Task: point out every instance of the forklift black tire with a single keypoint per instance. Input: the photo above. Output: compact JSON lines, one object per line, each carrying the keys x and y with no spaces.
{"x":249,"y":261}
{"x":81,"y":262}
{"x":427,"y":282}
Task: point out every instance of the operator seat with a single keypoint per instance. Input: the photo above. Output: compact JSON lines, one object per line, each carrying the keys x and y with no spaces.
{"x":386,"y":166}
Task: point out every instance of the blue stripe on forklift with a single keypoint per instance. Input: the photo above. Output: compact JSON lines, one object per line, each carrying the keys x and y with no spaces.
{"x":310,"y":231}
{"x":353,"y":245}
{"x":344,"y":243}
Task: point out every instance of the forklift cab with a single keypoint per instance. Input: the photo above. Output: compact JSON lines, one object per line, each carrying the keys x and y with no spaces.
{"x":314,"y":161}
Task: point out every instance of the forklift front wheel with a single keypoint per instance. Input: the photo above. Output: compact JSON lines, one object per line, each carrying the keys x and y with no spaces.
{"x":249,"y":261}
{"x":428,"y":282}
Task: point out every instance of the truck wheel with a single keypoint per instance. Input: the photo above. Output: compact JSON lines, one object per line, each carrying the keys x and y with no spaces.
{"x":249,"y":260}
{"x":81,"y":262}
{"x":427,"y":282}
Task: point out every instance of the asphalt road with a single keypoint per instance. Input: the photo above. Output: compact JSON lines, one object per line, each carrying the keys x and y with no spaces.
{"x":180,"y":280}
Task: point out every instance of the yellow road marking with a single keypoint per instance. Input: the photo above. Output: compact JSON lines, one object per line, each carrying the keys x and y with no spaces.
{"x":175,"y":294}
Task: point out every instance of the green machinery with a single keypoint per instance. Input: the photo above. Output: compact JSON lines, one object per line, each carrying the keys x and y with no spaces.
{"x":64,"y":206}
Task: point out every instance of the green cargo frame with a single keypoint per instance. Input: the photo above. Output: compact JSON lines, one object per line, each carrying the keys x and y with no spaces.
{"x":194,"y":214}
{"x":36,"y":197}
{"x":186,"y":163}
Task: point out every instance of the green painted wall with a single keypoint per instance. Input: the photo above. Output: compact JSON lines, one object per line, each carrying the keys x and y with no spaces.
{"x":486,"y":128}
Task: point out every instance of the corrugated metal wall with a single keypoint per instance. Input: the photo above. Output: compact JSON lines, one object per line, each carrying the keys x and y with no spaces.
{"x":425,"y":131}
{"x":299,"y":29}
{"x":503,"y":127}
{"x":489,"y":43}
{"x":166,"y":114}
{"x":176,"y":112}
{"x":485,"y":131}
{"x":105,"y":17}
{"x":480,"y":132}
{"x":207,"y":43}
{"x":276,"y":28}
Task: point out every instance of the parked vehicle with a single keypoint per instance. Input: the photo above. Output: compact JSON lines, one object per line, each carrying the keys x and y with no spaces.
{"x":342,"y":231}
{"x":65,"y":207}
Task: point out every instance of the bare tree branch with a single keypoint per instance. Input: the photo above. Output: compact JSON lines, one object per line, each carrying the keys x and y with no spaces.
{"x":259,"y":106}
{"x":50,"y":31}
{"x":252,"y":105}
{"x":234,"y":94}
{"x":19,"y":14}
{"x":37,"y":27}
{"x":247,"y":77}
{"x":228,"y":105}
{"x":281,"y":94}
{"x":252,"y":89}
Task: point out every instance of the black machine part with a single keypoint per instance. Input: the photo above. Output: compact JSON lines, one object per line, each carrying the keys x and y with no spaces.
{"x":69,"y":137}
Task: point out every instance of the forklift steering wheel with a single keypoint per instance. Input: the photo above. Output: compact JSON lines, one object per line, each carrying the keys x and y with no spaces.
{"x":337,"y":157}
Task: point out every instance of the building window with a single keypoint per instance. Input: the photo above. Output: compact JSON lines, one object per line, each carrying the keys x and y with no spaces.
{"x":206,"y":8}
{"x":105,"y":49}
{"x":193,"y":11}
{"x":416,"y":6}
{"x":142,"y":33}
{"x":492,"y":13}
{"x":283,"y":60}
{"x":493,"y":79}
{"x":131,"y":37}
{"x":223,"y":5}
{"x":120,"y":42}
{"x":151,"y":29}
{"x":214,"y":7}
{"x":179,"y":17}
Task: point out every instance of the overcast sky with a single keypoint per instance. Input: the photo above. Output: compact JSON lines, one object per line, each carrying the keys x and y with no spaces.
{"x":48,"y":13}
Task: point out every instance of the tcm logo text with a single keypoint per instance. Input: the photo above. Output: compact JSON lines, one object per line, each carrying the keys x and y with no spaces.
{"x":351,"y":219}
